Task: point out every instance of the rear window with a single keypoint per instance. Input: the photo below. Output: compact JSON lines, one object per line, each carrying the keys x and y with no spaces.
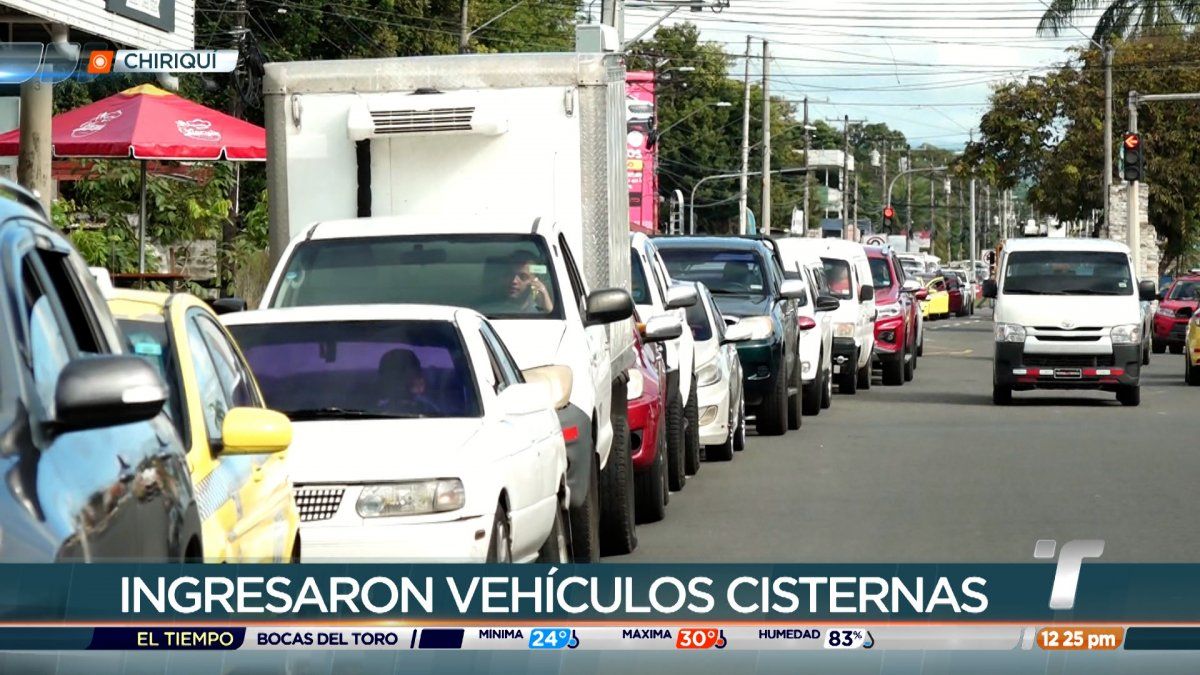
{"x":361,"y":368}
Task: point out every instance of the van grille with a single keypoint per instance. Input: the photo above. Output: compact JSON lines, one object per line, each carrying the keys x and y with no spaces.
{"x":1068,"y":360}
{"x":318,"y":503}
{"x":422,"y":121}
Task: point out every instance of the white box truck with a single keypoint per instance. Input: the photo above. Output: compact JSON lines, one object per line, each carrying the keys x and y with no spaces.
{"x":425,"y":179}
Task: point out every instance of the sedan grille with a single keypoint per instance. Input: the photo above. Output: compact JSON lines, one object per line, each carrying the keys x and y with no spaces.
{"x":1068,"y":360}
{"x":318,"y":503}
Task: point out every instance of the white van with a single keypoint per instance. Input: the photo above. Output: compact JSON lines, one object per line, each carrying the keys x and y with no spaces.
{"x":1067,"y":316}
{"x":848,"y":276}
{"x":803,"y":262}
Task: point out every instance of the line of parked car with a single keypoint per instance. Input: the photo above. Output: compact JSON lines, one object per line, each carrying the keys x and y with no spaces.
{"x":412,"y":394}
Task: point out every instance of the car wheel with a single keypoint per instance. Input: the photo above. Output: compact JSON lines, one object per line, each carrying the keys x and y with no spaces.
{"x":585,"y":521}
{"x":848,"y":378}
{"x":651,"y":486}
{"x":691,"y":439}
{"x":739,"y":437}
{"x":1129,"y":395}
{"x":1146,"y":353}
{"x":827,"y":394}
{"x":796,"y":401}
{"x":910,"y":366}
{"x":676,"y":477}
{"x":773,"y":411}
{"x":500,"y":548}
{"x":1176,"y":348}
{"x":1191,"y":373}
{"x":618,"y":528}
{"x":921,"y":345}
{"x":1001,"y":394}
{"x":1158,"y":347}
{"x":722,"y":452}
{"x":864,"y":376}
{"x":814,"y":394}
{"x":555,"y":549}
{"x":893,"y":370}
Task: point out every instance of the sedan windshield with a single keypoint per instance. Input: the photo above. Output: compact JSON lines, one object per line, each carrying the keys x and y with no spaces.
{"x":501,"y":276}
{"x":361,"y":369}
{"x":724,"y":272}
{"x":1067,"y":273}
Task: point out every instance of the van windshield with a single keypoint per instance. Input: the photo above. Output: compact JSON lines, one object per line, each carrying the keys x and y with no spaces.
{"x":1067,"y":273}
{"x":838,"y":274}
{"x":500,"y":276}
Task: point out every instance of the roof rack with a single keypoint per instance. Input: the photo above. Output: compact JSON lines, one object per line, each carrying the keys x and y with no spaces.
{"x":22,"y":194}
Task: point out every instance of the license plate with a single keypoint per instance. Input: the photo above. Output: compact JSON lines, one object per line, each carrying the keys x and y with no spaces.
{"x":1067,"y":373}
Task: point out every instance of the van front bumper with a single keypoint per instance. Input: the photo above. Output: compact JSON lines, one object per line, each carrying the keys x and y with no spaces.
{"x":1014,"y":367}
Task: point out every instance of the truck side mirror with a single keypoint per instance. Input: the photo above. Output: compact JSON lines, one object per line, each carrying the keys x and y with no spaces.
{"x":866,"y":292}
{"x":608,"y":305}
{"x":1146,"y":290}
{"x":989,"y":289}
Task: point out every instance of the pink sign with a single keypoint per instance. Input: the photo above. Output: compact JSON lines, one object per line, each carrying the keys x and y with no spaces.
{"x":639,"y":163}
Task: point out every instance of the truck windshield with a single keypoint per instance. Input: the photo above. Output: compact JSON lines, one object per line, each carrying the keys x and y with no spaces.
{"x":361,"y":369}
{"x":500,"y":276}
{"x":1067,"y":273}
{"x":724,"y":272}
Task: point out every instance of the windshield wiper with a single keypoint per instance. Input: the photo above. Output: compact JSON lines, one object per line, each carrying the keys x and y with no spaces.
{"x":722,"y":291}
{"x":1030,"y":291}
{"x":1087,"y":291}
{"x":334,"y":413}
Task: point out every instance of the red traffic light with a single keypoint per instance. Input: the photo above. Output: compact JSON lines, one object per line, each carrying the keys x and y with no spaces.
{"x":1133,"y":141}
{"x":889,"y":212}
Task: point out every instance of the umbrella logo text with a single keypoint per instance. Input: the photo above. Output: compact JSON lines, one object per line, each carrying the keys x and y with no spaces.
{"x":198,"y":129}
{"x":96,"y":124}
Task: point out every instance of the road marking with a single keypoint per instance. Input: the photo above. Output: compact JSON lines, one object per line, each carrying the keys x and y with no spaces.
{"x":965,"y":352}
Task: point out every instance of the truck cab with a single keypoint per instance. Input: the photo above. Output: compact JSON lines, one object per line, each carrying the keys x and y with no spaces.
{"x":1067,"y":316}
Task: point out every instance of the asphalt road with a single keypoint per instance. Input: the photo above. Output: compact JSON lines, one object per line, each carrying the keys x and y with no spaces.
{"x":932,"y":471}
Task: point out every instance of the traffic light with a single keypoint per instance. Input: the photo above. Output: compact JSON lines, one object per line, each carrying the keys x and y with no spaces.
{"x":1134,"y":157}
{"x":889,"y":218}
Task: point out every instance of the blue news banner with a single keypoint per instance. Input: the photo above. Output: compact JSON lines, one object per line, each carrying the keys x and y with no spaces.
{"x":400,"y":607}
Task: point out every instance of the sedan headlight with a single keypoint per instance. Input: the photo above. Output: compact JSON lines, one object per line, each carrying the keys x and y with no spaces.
{"x":890,"y":311}
{"x":1010,"y":332}
{"x":637,"y":384}
{"x":411,"y":498}
{"x":844,"y":330}
{"x":1129,"y":334}
{"x":708,"y":373}
{"x":761,"y":327}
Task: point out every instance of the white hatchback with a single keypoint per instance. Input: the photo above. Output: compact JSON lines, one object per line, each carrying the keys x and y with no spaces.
{"x":719,"y":376}
{"x":416,"y":438}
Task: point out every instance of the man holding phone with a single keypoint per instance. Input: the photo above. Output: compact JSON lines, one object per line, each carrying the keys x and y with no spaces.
{"x":526,"y":291}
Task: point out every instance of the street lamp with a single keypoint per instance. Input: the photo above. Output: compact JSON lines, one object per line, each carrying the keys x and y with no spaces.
{"x":711,"y":104}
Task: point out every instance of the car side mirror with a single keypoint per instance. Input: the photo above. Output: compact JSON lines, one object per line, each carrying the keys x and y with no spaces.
{"x":793,"y":290}
{"x":104,"y":391}
{"x":662,"y":328}
{"x":558,"y":379}
{"x":1147,"y":290}
{"x":228,"y":305}
{"x":805,"y":322}
{"x":525,"y":398}
{"x":608,"y":305}
{"x":738,"y":332}
{"x":921,"y":294}
{"x":681,"y":296}
{"x":866,"y":292}
{"x":989,"y":289}
{"x":254,"y":431}
{"x":910,"y":286}
{"x":827,"y":303}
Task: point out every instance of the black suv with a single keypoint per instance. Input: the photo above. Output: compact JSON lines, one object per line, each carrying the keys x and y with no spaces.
{"x":92,"y":467}
{"x":744,"y":277}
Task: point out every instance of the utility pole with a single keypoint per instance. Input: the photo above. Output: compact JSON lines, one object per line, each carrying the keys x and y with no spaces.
{"x":464,"y":29}
{"x":855,"y":217}
{"x":884,"y":196}
{"x":766,"y":170}
{"x":37,"y":109}
{"x":612,"y":13}
{"x":932,"y":214}
{"x":844,"y":182}
{"x":1108,"y":139}
{"x":229,"y":228}
{"x":958,"y":239}
{"x":807,"y":152}
{"x":908,"y":201}
{"x":743,"y":195}
{"x":974,"y":248}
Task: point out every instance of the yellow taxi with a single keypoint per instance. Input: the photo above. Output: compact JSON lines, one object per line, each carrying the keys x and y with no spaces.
{"x":1191,"y":352}
{"x":937,"y":303}
{"x":235,"y":445}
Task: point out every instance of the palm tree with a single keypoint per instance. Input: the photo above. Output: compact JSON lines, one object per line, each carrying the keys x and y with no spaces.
{"x":1123,"y":18}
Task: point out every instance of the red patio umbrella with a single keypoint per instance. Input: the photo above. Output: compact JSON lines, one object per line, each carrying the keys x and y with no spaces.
{"x":146,"y":123}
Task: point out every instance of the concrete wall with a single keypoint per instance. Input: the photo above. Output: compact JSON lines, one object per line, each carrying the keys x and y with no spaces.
{"x":1118,"y":229}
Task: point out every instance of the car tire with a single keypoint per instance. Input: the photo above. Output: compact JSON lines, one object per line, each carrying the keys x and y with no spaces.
{"x":739,"y":436}
{"x":893,"y":370}
{"x":921,"y":345}
{"x":500,"y":546}
{"x":848,"y":378}
{"x":722,"y":452}
{"x":1146,"y":354}
{"x":771,"y":419}
{"x":585,"y":521}
{"x":827,"y":393}
{"x":796,"y":401}
{"x":814,"y":395}
{"x":910,"y":366}
{"x":618,"y":526}
{"x":651,"y":486}
{"x":1191,"y":374}
{"x":556,"y":550}
{"x":1175,"y":348}
{"x":1158,"y":347}
{"x":691,"y":438}
{"x":864,"y":377}
{"x":1001,"y":394}
{"x":676,"y":476}
{"x":1130,"y":395}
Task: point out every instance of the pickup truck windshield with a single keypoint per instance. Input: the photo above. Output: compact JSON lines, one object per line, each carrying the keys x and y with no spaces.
{"x":724,"y":272}
{"x":1067,"y":273}
{"x":361,"y":369}
{"x":500,"y":276}
{"x":1184,"y":290}
{"x":881,"y":273}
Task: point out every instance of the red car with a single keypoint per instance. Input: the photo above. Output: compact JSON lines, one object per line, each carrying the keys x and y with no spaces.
{"x":1175,"y":306}
{"x":647,"y":424}
{"x":897,"y":313}
{"x":954,"y":288}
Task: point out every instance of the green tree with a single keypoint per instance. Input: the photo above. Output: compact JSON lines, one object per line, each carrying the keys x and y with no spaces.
{"x":1122,"y":18}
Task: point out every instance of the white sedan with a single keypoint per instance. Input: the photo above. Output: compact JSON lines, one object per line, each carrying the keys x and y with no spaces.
{"x":416,"y":438}
{"x":719,"y":378}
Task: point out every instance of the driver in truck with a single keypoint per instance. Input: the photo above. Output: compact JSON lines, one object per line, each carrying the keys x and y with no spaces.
{"x":526,"y":291}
